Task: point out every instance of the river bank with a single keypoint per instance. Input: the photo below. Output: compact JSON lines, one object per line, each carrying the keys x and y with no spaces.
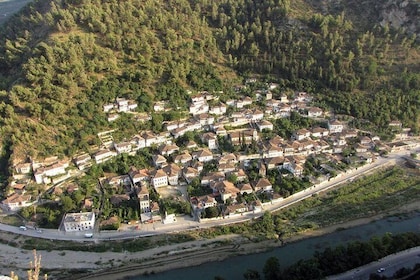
{"x":236,"y":245}
{"x":66,"y":264}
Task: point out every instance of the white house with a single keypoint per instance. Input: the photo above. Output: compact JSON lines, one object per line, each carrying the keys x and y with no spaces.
{"x":168,"y":149}
{"x":23,"y":168}
{"x":123,"y":147}
{"x":244,"y":102}
{"x":275,"y":162}
{"x":218,"y":109}
{"x":263,"y":184}
{"x":150,"y":138}
{"x":243,"y":136}
{"x":108,"y":107}
{"x":212,"y":177}
{"x":365,"y":140}
{"x":159,"y":106}
{"x":245,"y":189}
{"x":228,"y":158}
{"x":220,"y":131}
{"x":295,"y":169}
{"x":82,"y":160}
{"x":196,"y":109}
{"x":132,"y":105}
{"x":173,"y":172}
{"x":122,"y":104}
{"x":230,"y":102}
{"x":210,"y":139}
{"x":301,"y":134}
{"x":113,"y":117}
{"x":159,"y":160}
{"x":302,"y":96}
{"x":395,"y":124}
{"x":138,"y":176}
{"x":263,"y":124}
{"x":284,"y":111}
{"x":204,"y":202}
{"x":144,"y":201}
{"x":198,"y":99}
{"x":271,"y":151}
{"x":319,"y":132}
{"x":226,"y":190}
{"x":183,"y":158}
{"x":104,"y":155}
{"x":205,"y":119}
{"x":174,"y":125}
{"x":56,"y":169}
{"x":203,"y":155}
{"x":284,"y":98}
{"x":16,"y":201}
{"x":138,"y":142}
{"x":335,"y":126}
{"x":314,"y":112}
{"x":79,"y":221}
{"x":159,"y":178}
{"x":257,"y":115}
{"x":189,"y":173}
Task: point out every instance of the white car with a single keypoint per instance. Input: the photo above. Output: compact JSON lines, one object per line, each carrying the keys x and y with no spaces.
{"x":381,"y":270}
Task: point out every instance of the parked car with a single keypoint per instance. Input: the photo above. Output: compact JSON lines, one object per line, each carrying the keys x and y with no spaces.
{"x":23,"y":228}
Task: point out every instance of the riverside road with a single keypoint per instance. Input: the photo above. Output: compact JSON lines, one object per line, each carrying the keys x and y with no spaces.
{"x":187,"y":223}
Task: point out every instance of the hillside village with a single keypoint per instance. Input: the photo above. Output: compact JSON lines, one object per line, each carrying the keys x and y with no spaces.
{"x":224,"y":159}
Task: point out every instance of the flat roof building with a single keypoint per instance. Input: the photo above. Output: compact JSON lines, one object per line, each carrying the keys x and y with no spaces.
{"x":79,"y":221}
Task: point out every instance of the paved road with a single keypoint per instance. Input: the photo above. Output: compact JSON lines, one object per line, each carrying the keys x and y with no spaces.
{"x":390,"y":264}
{"x":187,"y":223}
{"x":10,"y":7}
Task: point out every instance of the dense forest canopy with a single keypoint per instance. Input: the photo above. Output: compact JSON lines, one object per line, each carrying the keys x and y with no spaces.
{"x":62,"y":60}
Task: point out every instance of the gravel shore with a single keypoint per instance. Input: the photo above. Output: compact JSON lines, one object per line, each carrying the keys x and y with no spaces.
{"x":110,"y":265}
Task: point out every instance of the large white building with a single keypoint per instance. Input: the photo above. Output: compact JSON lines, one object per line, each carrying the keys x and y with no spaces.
{"x":159,"y":179}
{"x":41,"y":175}
{"x":79,"y":221}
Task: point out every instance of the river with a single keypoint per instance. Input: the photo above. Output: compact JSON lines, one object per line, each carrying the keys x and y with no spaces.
{"x":233,"y":268}
{"x":9,"y":7}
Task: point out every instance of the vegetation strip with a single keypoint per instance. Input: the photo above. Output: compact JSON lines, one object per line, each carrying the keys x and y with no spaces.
{"x":336,"y":260}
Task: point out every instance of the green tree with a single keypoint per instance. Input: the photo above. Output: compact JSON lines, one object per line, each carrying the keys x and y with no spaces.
{"x":271,"y":269}
{"x":211,"y":212}
{"x":68,"y":203}
{"x":251,"y":274}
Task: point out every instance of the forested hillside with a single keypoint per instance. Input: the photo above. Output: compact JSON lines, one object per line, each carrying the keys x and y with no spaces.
{"x":368,"y":72}
{"x":61,"y":60}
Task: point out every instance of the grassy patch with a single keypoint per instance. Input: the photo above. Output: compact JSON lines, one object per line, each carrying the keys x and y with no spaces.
{"x":371,"y":195}
{"x":11,"y":220}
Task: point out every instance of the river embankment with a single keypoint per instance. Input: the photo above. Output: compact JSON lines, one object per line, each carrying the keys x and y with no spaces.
{"x":191,"y":258}
{"x":236,"y":255}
